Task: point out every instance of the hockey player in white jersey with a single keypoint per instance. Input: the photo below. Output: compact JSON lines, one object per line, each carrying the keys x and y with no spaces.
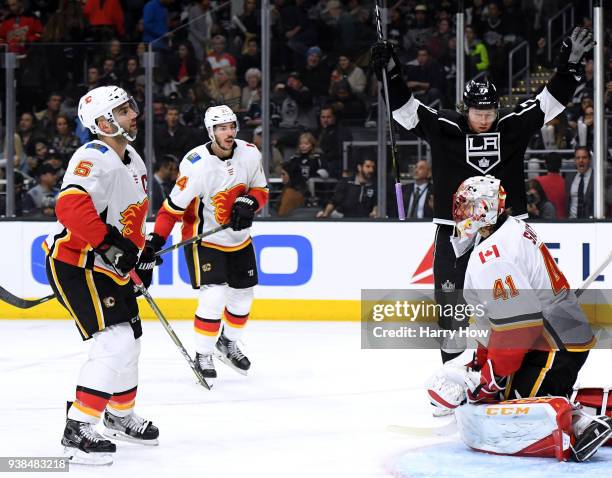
{"x":538,"y":339}
{"x":220,"y":182}
{"x":96,"y":242}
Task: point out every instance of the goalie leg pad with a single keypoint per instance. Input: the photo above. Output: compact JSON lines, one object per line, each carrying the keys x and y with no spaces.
{"x":539,"y":427}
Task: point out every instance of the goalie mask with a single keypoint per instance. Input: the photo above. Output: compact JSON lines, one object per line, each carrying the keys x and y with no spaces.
{"x":100,"y":102}
{"x":218,"y":115}
{"x":477,"y":204}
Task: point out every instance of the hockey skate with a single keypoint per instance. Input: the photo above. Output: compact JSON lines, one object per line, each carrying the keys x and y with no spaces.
{"x":85,"y":446}
{"x":205,"y":365}
{"x":591,"y":434}
{"x":131,"y":428}
{"x":228,"y":352}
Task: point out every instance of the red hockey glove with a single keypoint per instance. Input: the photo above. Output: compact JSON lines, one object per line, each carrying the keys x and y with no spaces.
{"x":488,"y":391}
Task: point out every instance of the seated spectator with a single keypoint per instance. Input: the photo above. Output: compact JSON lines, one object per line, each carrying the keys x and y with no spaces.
{"x":183,"y":66}
{"x":438,"y":43}
{"x":37,"y":154}
{"x":397,"y":27}
{"x":54,"y":160}
{"x":109,"y":76}
{"x":115,"y":53}
{"x":355,"y":197}
{"x":579,"y":186}
{"x":172,"y":137}
{"x":553,"y":135}
{"x":426,"y":78}
{"x":19,"y":27}
{"x":348,"y":106}
{"x":347,"y":70}
{"x":577,"y":110}
{"x":316,"y":74}
{"x":477,"y":53}
{"x":250,"y":103}
{"x":331,"y":140}
{"x":106,"y":19}
{"x":295,"y":103}
{"x":93,"y":81}
{"x":46,"y":118}
{"x":206,"y":83}
{"x":538,"y":205}
{"x":27,"y":129}
{"x":294,"y":190}
{"x":218,"y":57}
{"x":130,"y":75}
{"x":40,"y":200}
{"x":250,"y":58}
{"x":307,"y":160}
{"x":228,"y":92}
{"x":165,"y":172}
{"x":298,"y":32}
{"x":553,"y":184}
{"x":586,"y":87}
{"x":276,"y":159}
{"x":64,"y":142}
{"x":493,"y":33}
{"x":418,"y":33}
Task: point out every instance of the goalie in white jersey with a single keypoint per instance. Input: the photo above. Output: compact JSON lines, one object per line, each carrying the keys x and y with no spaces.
{"x":98,"y":239}
{"x":220,"y":182}
{"x":538,"y":339}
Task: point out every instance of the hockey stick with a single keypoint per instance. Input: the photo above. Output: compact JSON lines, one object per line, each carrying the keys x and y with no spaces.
{"x":398,"y":185}
{"x":20,"y":303}
{"x":594,"y":275}
{"x":439,"y":431}
{"x":145,"y":293}
{"x":193,"y":239}
{"x":6,"y":296}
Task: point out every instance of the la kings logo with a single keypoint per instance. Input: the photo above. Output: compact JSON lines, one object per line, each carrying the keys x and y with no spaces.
{"x":482,"y":151}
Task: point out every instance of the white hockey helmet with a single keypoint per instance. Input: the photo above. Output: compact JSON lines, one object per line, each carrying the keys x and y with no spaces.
{"x":477,"y":203}
{"x":218,"y":115}
{"x":100,"y":102}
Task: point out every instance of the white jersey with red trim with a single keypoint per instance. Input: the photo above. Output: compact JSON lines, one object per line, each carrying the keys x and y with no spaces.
{"x":513,"y":274}
{"x":96,"y":174}
{"x":207,"y":187}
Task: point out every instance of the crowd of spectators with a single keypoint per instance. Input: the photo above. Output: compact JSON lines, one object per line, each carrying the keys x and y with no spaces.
{"x":321,"y":89}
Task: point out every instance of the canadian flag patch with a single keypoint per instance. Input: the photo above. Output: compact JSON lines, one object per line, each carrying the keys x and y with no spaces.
{"x":488,"y":254}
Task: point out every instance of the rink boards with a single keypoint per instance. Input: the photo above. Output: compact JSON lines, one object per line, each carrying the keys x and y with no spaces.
{"x":307,"y":270}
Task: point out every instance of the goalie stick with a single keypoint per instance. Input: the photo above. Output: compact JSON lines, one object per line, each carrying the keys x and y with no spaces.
{"x":12,"y":299}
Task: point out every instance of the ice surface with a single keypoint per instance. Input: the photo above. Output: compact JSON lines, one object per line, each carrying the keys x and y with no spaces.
{"x":314,"y":405}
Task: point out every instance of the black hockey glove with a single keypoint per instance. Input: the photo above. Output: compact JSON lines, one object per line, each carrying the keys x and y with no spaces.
{"x":243,"y":212}
{"x":384,"y":56}
{"x":118,"y":251}
{"x":573,"y":49}
{"x":148,"y":260}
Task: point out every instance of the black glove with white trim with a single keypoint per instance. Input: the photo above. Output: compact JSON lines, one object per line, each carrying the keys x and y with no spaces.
{"x":148,"y":260}
{"x":384,"y":56}
{"x":118,"y":251}
{"x":573,"y":49}
{"x":243,"y":212}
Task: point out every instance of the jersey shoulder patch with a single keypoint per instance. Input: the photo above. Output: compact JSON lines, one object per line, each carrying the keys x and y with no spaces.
{"x":193,"y":158}
{"x":97,"y":146}
{"x":488,"y":254}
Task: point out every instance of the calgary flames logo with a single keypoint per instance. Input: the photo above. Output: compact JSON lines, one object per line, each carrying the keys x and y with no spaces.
{"x":224,"y":200}
{"x":133,"y":220}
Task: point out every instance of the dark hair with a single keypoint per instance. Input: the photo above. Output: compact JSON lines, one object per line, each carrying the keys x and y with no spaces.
{"x":296,"y":180}
{"x":585,"y":148}
{"x":363,"y":159}
{"x":533,"y":184}
{"x":553,"y":162}
{"x":165,"y":160}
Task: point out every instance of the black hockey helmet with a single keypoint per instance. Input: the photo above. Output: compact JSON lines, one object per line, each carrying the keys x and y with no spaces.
{"x":480,"y":95}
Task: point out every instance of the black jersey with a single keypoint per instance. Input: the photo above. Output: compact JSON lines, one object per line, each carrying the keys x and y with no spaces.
{"x":458,"y":153}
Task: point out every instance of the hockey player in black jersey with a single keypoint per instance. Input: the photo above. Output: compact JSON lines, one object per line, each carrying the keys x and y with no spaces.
{"x":480,"y":139}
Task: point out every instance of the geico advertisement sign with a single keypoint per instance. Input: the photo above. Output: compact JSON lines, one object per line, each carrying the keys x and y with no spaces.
{"x":310,"y":260}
